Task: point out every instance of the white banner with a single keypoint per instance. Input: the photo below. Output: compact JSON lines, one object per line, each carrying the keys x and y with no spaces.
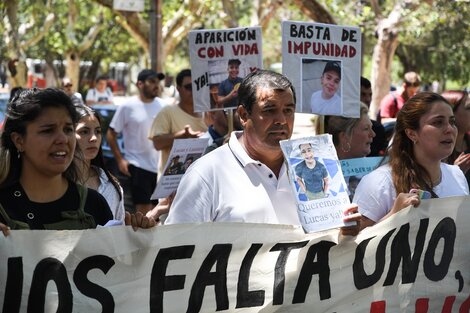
{"x":309,"y":50}
{"x":416,"y":261}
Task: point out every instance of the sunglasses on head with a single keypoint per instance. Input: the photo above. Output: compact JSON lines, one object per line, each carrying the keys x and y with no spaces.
{"x":416,"y":84}
{"x":188,"y":87}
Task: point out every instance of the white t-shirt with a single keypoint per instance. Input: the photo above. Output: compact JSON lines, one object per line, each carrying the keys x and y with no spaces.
{"x":94,"y":95}
{"x":322,"y":106}
{"x":133,"y":119}
{"x":376,"y":194}
{"x":107,"y":190}
{"x":227,"y":185}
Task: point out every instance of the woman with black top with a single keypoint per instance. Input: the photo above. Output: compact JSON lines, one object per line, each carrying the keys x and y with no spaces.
{"x":37,"y":172}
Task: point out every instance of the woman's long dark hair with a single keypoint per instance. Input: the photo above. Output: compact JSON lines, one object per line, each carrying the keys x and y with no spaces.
{"x":98,"y":161}
{"x":25,"y":107}
{"x":407,"y":173}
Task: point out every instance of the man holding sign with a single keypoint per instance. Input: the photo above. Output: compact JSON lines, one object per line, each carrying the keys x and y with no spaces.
{"x":252,"y":184}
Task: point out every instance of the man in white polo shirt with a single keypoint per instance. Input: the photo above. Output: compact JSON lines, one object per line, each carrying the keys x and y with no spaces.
{"x":246,"y":180}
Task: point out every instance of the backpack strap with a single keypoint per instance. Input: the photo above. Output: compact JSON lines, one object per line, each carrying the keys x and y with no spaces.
{"x":82,"y":193}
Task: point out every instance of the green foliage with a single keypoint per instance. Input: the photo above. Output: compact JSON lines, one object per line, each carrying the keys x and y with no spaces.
{"x":434,"y":41}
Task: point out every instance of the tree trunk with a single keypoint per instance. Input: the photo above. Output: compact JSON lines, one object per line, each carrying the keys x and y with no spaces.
{"x":18,"y":73}
{"x":72,"y":70}
{"x":315,"y":11}
{"x":384,"y":50}
{"x":382,"y":58}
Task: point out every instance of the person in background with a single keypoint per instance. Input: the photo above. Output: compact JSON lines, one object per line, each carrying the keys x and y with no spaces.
{"x":67,"y":87}
{"x":326,"y":101}
{"x":228,"y":88}
{"x":177,"y":121}
{"x":379,"y":143}
{"x":460,"y":103}
{"x":392,"y":103}
{"x":246,"y":180}
{"x":352,"y":137}
{"x":94,"y":173}
{"x":425,"y":134}
{"x":101,"y":94}
{"x":217,"y":130}
{"x":134,"y":119}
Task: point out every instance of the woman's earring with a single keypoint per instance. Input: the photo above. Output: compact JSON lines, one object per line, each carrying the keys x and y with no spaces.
{"x":18,"y":154}
{"x":348,"y":147}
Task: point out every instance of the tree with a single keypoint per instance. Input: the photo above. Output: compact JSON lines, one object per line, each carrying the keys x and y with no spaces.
{"x":438,"y":45}
{"x":387,"y":33}
{"x":22,"y":33}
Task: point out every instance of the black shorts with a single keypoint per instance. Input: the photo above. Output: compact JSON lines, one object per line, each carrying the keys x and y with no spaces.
{"x":142,"y":183}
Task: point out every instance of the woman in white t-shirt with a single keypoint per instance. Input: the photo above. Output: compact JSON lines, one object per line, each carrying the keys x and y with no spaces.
{"x":425,"y":134}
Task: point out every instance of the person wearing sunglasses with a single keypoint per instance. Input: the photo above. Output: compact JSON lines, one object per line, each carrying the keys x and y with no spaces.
{"x":133,"y":120}
{"x":67,"y":87}
{"x":177,"y":121}
{"x":394,"y":101}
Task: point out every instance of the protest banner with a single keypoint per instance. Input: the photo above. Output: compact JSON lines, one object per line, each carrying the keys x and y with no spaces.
{"x":183,"y":153}
{"x":324,"y":63}
{"x":416,"y":261}
{"x":317,"y":181}
{"x":210,"y":53}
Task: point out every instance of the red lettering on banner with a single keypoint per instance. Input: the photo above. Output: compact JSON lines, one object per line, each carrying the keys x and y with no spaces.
{"x":422,"y":305}
{"x":448,"y":304}
{"x":377,"y":307}
{"x":465,"y":307}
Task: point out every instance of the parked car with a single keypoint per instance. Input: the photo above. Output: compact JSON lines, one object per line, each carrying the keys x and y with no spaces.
{"x":106,"y":111}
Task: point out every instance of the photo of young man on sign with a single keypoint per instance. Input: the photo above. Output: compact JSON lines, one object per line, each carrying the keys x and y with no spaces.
{"x":225,"y":77}
{"x":321,"y":86}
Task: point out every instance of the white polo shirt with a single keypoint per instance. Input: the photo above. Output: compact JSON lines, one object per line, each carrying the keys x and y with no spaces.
{"x":227,"y":185}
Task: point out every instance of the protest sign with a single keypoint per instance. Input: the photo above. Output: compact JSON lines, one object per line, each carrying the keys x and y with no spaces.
{"x":324,"y":63}
{"x":184,"y":152}
{"x":416,"y":261}
{"x":354,"y":169}
{"x":317,"y":181}
{"x":219,"y":60}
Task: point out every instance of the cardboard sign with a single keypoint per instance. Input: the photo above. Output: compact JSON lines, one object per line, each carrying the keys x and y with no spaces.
{"x":324,"y":63}
{"x":317,"y":181}
{"x":212,"y":54}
